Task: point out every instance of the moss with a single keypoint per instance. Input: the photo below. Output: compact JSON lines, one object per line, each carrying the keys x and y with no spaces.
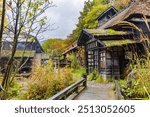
{"x":118,"y":42}
{"x":7,"y":53}
{"x":26,"y":54}
{"x":105,"y":32}
{"x":78,"y":73}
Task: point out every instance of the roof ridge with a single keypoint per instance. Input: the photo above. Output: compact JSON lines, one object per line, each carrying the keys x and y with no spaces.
{"x":117,"y":14}
{"x":106,"y":11}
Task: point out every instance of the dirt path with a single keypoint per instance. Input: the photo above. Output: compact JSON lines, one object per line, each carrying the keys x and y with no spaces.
{"x":97,"y":91}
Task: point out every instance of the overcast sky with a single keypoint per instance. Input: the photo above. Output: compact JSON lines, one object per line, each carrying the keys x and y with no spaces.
{"x":65,"y":16}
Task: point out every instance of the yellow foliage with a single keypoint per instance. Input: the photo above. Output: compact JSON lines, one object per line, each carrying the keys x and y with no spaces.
{"x":46,"y":82}
{"x":1,"y":4}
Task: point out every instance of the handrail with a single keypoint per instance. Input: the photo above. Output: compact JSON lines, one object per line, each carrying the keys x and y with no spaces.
{"x":118,"y":91}
{"x":64,"y":94}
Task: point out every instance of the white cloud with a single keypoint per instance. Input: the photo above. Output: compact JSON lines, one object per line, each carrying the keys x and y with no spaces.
{"x":65,"y":16}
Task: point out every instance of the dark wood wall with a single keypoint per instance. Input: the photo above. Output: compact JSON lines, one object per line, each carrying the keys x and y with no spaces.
{"x":106,"y":16}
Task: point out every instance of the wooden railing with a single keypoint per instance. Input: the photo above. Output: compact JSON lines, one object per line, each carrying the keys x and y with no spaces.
{"x":118,"y":91}
{"x":74,"y":88}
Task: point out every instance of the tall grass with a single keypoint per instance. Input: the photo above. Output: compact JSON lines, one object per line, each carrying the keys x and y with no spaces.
{"x":138,"y":79}
{"x":45,"y":82}
{"x":142,"y":67}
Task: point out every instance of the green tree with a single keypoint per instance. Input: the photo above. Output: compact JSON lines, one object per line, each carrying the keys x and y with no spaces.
{"x":91,"y":18}
{"x":25,"y":17}
{"x":54,"y":46}
{"x":91,"y":10}
{"x":88,"y":16}
{"x":87,"y":7}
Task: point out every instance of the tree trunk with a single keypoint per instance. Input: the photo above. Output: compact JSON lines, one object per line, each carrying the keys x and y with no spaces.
{"x":2,"y":24}
{"x":10,"y":62}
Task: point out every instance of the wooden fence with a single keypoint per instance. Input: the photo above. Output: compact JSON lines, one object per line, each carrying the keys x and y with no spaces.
{"x":74,"y":88}
{"x":118,"y":91}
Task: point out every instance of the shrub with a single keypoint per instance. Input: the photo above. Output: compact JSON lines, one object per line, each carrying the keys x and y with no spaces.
{"x":14,"y":90}
{"x":134,"y":92}
{"x":78,"y":73}
{"x":100,"y":79}
{"x":74,"y":61}
{"x":137,"y":83}
{"x":45,"y":83}
{"x":95,"y":76}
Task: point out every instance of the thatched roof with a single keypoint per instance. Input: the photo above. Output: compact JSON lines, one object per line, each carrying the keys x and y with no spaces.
{"x":141,"y":7}
{"x":99,"y":32}
{"x":7,"y":53}
{"x":71,"y":48}
{"x":110,"y":43}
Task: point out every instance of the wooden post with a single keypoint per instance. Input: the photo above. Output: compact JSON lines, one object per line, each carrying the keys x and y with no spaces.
{"x":58,"y":65}
{"x":86,"y":60}
{"x":85,"y":77}
{"x":77,"y":89}
{"x":99,"y":62}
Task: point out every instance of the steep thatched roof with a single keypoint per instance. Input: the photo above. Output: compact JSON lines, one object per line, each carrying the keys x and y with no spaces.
{"x":99,"y":32}
{"x":140,"y":7}
{"x":7,"y":53}
{"x":110,"y":43}
{"x":71,"y":48}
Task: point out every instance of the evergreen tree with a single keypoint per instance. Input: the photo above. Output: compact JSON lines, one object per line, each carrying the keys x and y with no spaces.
{"x":87,"y":8}
{"x":91,"y":10}
{"x":88,"y":16}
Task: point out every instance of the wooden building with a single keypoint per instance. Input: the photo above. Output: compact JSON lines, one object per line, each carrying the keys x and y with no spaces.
{"x":28,"y":48}
{"x":110,"y":47}
{"x":73,"y":48}
{"x":107,"y":15}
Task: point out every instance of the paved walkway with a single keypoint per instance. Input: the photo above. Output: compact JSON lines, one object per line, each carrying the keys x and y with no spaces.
{"x":97,"y":91}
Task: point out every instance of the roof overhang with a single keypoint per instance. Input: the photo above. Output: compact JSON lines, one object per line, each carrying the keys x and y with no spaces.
{"x":112,"y":43}
{"x":84,"y":37}
{"x":102,"y":14}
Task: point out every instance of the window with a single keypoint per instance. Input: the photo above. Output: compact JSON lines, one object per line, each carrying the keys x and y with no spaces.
{"x":93,"y":60}
{"x":92,"y":45}
{"x":102,"y":59}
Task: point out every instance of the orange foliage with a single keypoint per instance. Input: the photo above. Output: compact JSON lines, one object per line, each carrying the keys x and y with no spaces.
{"x":122,"y":3}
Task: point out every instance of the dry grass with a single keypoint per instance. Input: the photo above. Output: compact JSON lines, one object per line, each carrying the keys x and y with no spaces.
{"x":141,"y":76}
{"x":45,"y":82}
{"x":138,"y":78}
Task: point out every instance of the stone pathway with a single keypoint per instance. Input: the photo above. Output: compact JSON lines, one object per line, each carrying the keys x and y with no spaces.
{"x":97,"y":91}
